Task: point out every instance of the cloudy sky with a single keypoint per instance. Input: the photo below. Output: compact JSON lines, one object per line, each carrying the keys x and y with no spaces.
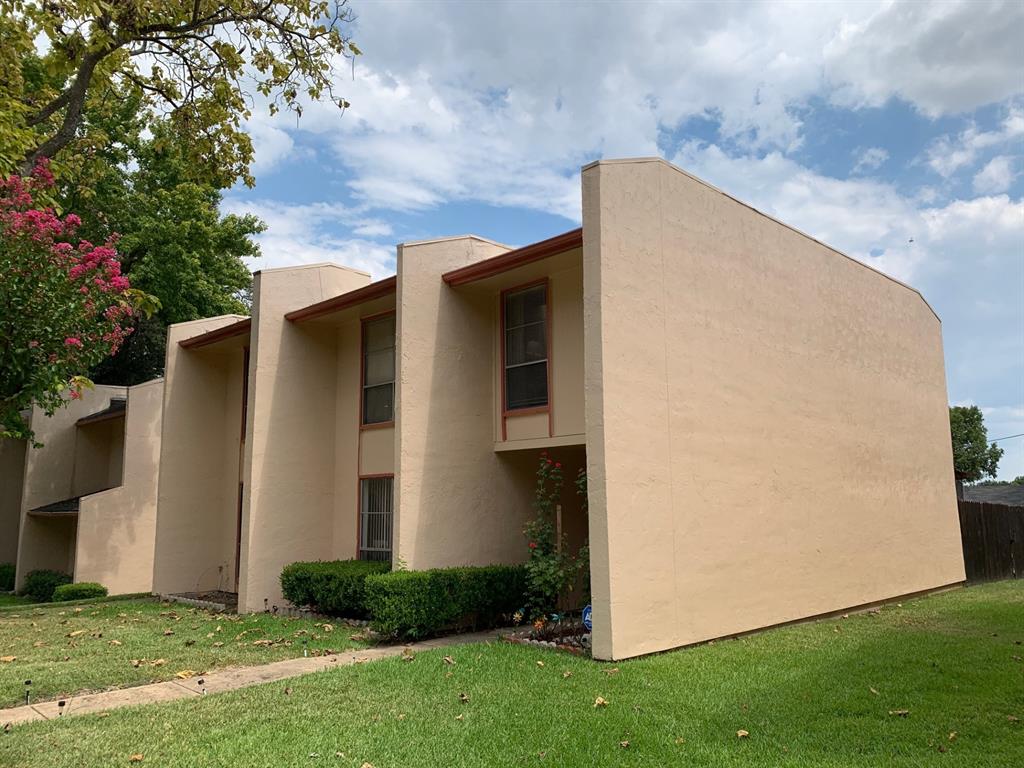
{"x":892,"y":131}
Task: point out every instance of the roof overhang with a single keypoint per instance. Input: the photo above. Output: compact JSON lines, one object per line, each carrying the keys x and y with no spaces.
{"x":116,"y":410}
{"x":376,"y":290}
{"x":63,"y":508}
{"x":241,"y":328}
{"x":513,"y":259}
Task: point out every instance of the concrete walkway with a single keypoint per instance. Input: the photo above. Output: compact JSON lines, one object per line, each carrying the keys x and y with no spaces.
{"x":229,"y":679}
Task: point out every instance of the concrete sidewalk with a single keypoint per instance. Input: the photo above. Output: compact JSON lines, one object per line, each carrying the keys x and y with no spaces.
{"x":229,"y":679}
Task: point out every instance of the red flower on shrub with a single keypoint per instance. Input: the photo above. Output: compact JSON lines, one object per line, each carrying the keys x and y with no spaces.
{"x":533,"y":545}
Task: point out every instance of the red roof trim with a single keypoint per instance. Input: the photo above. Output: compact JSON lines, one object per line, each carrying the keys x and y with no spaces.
{"x":369,"y":292}
{"x":517,"y":258}
{"x":241,"y":328}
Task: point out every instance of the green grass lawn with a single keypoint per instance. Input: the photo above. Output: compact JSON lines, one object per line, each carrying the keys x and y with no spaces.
{"x":6,"y":598}
{"x":67,"y":649}
{"x":813,"y":695}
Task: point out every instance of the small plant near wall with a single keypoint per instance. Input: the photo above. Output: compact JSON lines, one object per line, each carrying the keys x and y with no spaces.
{"x":551,"y":571}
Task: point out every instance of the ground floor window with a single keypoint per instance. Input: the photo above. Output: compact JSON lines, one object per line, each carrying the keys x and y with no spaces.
{"x":376,"y":508}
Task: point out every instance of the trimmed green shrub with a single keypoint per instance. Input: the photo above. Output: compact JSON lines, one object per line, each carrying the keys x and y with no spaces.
{"x":415,"y":604}
{"x":83,"y":590}
{"x":336,"y":588}
{"x":6,"y":577}
{"x":39,"y":585}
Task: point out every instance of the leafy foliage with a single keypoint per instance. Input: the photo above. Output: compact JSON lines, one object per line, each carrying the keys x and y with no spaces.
{"x":83,"y":590}
{"x":200,"y":64}
{"x":415,"y":604}
{"x":335,"y":588}
{"x":64,"y":305}
{"x":972,"y":453}
{"x":6,"y":577}
{"x":40,"y":585}
{"x":551,"y":570}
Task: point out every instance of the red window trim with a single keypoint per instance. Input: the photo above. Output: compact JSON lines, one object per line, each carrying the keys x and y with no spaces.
{"x":548,"y":318}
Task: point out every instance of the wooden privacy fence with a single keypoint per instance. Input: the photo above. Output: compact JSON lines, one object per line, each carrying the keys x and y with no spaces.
{"x":993,"y":540}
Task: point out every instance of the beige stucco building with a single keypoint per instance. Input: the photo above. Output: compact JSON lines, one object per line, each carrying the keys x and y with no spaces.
{"x":762,"y":419}
{"x":87,"y":497}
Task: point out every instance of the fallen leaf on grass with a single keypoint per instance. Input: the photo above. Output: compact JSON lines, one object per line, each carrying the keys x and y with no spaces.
{"x":327,"y":627}
{"x":288,"y":691}
{"x":76,"y":633}
{"x":218,"y":644}
{"x":600,"y":701}
{"x":185,"y":674}
{"x":567,"y":673}
{"x":8,"y":659}
{"x":899,"y":712}
{"x":448,"y":660}
{"x":103,"y":714}
{"x":680,"y":740}
{"x":624,"y":744}
{"x":460,"y":717}
{"x":136,"y":758}
{"x":612,"y":671}
{"x":1013,"y":718}
{"x":189,"y":643}
{"x":38,"y":644}
{"x":742,"y":734}
{"x":115,"y":642}
{"x":168,"y":632}
{"x":464,"y":697}
{"x":540,"y":663}
{"x":366,"y":765}
{"x":873,"y":690}
{"x":952,"y":735}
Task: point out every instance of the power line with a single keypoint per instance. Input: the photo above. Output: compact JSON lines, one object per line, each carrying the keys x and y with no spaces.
{"x":1008,"y":437}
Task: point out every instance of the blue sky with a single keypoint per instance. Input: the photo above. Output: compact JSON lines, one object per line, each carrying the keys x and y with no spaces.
{"x":867,"y":125}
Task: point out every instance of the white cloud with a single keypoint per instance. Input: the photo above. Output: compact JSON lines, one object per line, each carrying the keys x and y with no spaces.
{"x":951,"y":153}
{"x":270,"y":143}
{"x":870,"y":159}
{"x":943,"y":57}
{"x":308,"y":234}
{"x":996,"y":176}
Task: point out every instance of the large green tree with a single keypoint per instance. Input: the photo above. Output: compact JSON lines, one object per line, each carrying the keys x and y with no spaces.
{"x":198,"y":63}
{"x":174,"y":242}
{"x":973,"y":455}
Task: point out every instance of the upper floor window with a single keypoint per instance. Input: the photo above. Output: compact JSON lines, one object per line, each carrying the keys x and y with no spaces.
{"x":526,"y":348}
{"x":379,"y":370}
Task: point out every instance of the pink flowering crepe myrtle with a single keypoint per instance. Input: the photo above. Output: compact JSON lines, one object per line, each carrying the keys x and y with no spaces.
{"x":64,"y":304}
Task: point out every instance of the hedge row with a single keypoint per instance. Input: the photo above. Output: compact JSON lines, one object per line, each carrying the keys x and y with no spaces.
{"x":416,"y":604}
{"x":40,"y":585}
{"x":6,"y":577}
{"x":83,"y":590}
{"x":408,"y":604}
{"x":335,"y":588}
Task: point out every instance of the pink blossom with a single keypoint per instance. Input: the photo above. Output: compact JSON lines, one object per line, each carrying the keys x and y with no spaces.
{"x":72,"y":341}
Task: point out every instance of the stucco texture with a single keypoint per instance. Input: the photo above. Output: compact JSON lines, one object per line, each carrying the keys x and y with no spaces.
{"x":289,"y":463}
{"x":457,"y":502}
{"x":12,"y":478}
{"x":117,"y":527}
{"x":767,"y":433}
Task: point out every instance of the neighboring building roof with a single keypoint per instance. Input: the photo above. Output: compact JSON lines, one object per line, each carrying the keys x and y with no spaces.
{"x":117,"y":408}
{"x":64,"y":507}
{"x":241,"y":328}
{"x":1004,"y":493}
{"x":517,"y":258}
{"x":369,"y":292}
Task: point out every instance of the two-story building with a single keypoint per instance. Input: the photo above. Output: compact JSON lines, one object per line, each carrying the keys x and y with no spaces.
{"x":762,"y":418}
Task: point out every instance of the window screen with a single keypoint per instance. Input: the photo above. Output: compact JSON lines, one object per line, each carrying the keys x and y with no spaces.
{"x":526,"y":348}
{"x":379,"y":370}
{"x":375,"y":518}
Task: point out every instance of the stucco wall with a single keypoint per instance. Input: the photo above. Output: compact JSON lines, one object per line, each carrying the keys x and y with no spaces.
{"x":12,"y":477}
{"x":767,"y":431}
{"x":197,"y":497}
{"x":117,"y":527}
{"x":50,"y":477}
{"x":288,"y":509}
{"x":457,"y":501}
